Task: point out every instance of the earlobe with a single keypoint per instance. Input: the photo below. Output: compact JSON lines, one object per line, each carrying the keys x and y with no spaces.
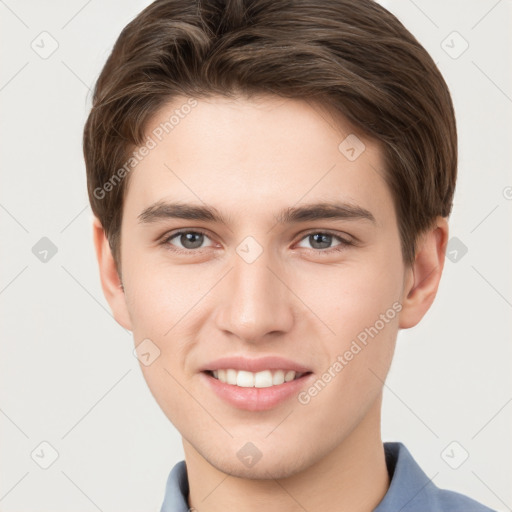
{"x":110,"y":281}
{"x":423,"y":277}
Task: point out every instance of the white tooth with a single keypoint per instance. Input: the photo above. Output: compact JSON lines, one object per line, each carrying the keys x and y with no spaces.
{"x":278,"y":377}
{"x":245,"y":379}
{"x":290,"y":375}
{"x":263,"y":379}
{"x":231,"y":376}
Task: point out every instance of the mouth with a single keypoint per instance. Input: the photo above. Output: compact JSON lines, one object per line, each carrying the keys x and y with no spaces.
{"x":256,"y":391}
{"x":262,"y":379}
{"x":256,"y":384}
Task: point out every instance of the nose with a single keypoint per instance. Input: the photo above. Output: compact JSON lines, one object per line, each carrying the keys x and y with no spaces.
{"x":256,"y":301}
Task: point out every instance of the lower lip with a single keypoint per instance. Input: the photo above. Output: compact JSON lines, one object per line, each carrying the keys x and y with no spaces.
{"x":256,"y":399}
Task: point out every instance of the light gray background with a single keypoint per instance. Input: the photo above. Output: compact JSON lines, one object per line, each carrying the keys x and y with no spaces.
{"x":67,"y":372}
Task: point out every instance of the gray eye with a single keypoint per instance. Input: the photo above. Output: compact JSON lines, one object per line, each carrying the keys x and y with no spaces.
{"x":321,"y":240}
{"x":189,"y":239}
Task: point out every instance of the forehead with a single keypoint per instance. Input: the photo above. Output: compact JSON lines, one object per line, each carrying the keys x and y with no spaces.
{"x":242,"y":154}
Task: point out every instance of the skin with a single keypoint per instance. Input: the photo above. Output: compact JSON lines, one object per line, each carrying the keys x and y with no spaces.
{"x":251,"y":158}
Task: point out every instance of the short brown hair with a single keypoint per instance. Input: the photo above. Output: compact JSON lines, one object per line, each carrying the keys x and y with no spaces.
{"x":352,"y":56}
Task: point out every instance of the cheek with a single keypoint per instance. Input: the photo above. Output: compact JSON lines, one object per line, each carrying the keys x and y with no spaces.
{"x":360,"y":304}
{"x":159,"y":294}
{"x":167,"y":387}
{"x":351,"y":297}
{"x":362,"y":310}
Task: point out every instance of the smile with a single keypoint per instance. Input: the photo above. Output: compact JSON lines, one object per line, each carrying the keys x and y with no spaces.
{"x":263,"y":379}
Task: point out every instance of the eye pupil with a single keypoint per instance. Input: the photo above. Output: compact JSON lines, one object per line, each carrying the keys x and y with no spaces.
{"x":324,"y":238}
{"x":192,"y":240}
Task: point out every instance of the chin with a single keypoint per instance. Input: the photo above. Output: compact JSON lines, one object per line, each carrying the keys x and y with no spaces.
{"x":268,"y":470}
{"x":267,"y":467}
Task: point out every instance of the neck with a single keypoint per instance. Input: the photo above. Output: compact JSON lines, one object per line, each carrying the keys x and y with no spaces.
{"x":352,"y":477}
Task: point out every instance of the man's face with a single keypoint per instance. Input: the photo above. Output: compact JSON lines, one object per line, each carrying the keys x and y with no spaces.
{"x":304,"y":289}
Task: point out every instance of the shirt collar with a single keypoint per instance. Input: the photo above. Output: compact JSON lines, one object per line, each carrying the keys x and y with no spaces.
{"x":176,"y":490}
{"x":410,"y":488}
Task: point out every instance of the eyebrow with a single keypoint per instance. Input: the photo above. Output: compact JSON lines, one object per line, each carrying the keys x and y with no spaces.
{"x":318,"y":211}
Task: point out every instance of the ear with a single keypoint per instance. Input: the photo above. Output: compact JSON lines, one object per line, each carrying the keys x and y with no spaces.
{"x":422,"y":278}
{"x":110,"y":280}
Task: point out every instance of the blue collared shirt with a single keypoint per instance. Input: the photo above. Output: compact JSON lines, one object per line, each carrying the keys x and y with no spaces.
{"x":410,"y":489}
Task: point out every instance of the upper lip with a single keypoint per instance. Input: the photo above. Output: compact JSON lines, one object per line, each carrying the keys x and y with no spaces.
{"x":255,"y":364}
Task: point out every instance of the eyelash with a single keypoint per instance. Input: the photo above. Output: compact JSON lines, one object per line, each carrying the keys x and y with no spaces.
{"x":338,"y":248}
